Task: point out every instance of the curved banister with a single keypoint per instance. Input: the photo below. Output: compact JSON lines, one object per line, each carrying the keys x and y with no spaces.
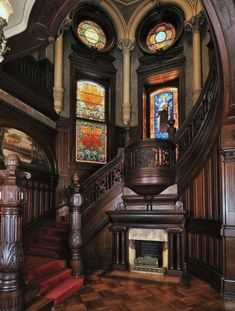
{"x":196,"y":135}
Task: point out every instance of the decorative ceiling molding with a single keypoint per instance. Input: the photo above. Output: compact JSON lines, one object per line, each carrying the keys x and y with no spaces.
{"x":127,"y":2}
{"x":18,"y":21}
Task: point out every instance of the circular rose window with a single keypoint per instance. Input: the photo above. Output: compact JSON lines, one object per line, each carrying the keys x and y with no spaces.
{"x":160,"y":37}
{"x":92,"y":35}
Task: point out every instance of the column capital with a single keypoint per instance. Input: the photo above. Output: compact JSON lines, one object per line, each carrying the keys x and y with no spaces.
{"x":195,"y":23}
{"x":126,"y":45}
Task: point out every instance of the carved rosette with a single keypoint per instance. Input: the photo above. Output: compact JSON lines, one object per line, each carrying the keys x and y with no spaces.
{"x":75,"y":239}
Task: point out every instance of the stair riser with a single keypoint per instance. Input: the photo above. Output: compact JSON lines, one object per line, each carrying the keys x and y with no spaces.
{"x":46,"y":286}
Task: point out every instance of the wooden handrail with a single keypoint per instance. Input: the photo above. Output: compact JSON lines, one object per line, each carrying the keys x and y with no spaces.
{"x":197,"y":133}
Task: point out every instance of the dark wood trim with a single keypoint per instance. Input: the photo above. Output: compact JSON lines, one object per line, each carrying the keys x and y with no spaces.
{"x":102,"y":71}
{"x":149,"y":68}
{"x":206,"y":272}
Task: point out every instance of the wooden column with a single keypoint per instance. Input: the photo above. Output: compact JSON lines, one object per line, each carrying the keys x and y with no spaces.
{"x":176,"y":251}
{"x":11,"y":251}
{"x":75,"y":238}
{"x":120,"y":247}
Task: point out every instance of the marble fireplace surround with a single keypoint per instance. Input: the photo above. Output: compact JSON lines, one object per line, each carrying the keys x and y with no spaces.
{"x":145,"y":234}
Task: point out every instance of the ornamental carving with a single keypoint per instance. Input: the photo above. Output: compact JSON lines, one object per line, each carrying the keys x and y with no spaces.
{"x":104,"y":183}
{"x":11,"y":257}
{"x":229,"y":155}
{"x":75,"y":239}
{"x":152,"y":155}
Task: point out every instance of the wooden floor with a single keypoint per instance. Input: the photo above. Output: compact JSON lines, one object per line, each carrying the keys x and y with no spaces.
{"x":119,"y":294}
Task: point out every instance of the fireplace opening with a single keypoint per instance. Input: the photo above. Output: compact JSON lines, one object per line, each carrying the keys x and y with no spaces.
{"x":149,"y":255}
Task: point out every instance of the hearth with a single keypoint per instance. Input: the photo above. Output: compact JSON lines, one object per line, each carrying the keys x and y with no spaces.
{"x":148,"y":251}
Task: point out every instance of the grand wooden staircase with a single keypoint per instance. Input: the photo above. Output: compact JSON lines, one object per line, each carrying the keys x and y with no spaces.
{"x":48,"y":277}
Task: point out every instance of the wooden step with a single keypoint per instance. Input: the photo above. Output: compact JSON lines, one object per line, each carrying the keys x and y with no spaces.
{"x":65,"y":290}
{"x":40,"y":304}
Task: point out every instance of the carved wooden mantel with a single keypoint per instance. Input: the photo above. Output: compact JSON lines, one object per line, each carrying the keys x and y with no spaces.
{"x":172,"y":220}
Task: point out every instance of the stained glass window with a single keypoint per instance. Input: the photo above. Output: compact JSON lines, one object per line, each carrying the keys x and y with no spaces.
{"x":160,"y":37}
{"x":91,"y":129}
{"x":92,"y":34}
{"x":90,"y":101}
{"x":163,"y":106}
{"x":91,"y":142}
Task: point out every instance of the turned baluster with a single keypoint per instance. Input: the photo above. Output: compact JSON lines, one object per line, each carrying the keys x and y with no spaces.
{"x":75,"y":239}
{"x":11,"y":251}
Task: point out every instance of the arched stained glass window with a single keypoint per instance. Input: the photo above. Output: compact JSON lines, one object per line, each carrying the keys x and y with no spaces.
{"x":91,"y":129}
{"x":91,"y":34}
{"x":163,"y":106}
{"x":160,"y":37}
{"x":90,"y":101}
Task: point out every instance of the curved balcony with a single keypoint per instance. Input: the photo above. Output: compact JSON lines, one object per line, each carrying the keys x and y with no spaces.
{"x":149,"y":166}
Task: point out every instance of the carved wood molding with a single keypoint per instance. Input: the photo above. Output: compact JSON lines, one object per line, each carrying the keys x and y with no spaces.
{"x":229,"y":155}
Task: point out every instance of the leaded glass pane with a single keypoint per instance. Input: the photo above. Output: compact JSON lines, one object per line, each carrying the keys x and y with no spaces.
{"x":163,"y":106}
{"x":90,"y":101}
{"x":90,"y":142}
{"x":92,"y":34}
{"x":161,"y":36}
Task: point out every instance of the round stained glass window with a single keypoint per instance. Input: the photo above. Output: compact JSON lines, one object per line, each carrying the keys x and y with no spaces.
{"x":160,"y":37}
{"x":91,"y":34}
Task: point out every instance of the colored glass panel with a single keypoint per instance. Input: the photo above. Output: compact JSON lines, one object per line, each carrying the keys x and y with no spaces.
{"x":92,"y":34}
{"x":90,"y":101}
{"x":160,"y":37}
{"x":90,"y":142}
{"x":163,"y":106}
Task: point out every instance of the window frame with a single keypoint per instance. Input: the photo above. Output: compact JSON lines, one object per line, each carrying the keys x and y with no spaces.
{"x":105,"y":122}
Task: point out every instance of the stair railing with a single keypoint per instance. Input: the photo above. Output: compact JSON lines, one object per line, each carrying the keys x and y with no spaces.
{"x":197,"y":133}
{"x":102,"y":182}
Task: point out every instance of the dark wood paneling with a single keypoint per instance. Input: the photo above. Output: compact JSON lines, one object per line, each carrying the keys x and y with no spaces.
{"x":30,"y":81}
{"x":98,"y":254}
{"x":204,"y":243}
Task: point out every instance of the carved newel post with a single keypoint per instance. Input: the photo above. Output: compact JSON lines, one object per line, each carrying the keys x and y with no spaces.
{"x":75,"y":239}
{"x":11,"y":252}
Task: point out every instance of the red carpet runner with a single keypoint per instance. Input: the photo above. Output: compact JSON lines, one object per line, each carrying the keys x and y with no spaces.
{"x":51,"y":275}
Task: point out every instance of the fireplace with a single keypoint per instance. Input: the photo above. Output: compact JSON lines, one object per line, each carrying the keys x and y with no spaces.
{"x":164,"y":227}
{"x":148,"y":250}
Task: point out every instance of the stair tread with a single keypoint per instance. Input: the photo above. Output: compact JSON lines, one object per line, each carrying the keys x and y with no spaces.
{"x":50,"y":237}
{"x":50,"y":278}
{"x":65,"y":289}
{"x":45,"y":267}
{"x":39,"y":304}
{"x":45,"y":246}
{"x":48,"y":241}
